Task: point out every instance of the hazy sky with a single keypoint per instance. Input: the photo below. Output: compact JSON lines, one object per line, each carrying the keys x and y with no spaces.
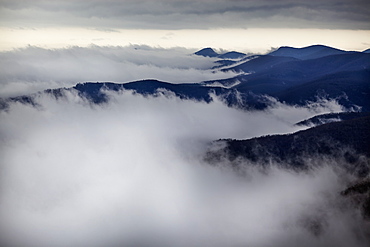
{"x":234,"y":24}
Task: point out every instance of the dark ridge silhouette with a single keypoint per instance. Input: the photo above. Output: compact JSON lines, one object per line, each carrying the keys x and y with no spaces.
{"x":228,"y":63}
{"x":344,"y":77}
{"x":350,"y":88}
{"x":348,"y":140}
{"x":232,"y":55}
{"x":223,"y":63}
{"x":285,"y":69}
{"x":359,"y":193}
{"x":96,"y":93}
{"x":309,"y":52}
{"x":207,"y":52}
{"x":260,"y":63}
{"x":358,"y":188}
{"x":332,"y":117}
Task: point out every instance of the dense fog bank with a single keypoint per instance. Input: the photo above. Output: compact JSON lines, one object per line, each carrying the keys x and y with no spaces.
{"x":131,"y":173}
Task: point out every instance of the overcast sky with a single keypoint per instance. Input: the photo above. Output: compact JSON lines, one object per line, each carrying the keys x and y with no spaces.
{"x":186,"y":14}
{"x":224,"y":24}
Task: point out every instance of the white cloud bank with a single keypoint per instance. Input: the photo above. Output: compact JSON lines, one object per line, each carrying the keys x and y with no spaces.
{"x":130,"y":173}
{"x":33,"y":69}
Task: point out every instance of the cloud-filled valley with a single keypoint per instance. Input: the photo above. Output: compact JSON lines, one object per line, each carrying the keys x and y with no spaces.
{"x":110,"y":164}
{"x":182,"y":123}
{"x":131,"y":173}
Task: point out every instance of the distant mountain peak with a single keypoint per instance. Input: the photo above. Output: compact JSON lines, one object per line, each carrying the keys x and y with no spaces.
{"x":207,"y":52}
{"x":308,"y":47}
{"x":308,"y":52}
{"x":232,"y":55}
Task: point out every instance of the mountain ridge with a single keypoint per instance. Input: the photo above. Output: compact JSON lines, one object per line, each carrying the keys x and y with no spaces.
{"x":348,"y":139}
{"x":343,"y":77}
{"x":209,"y":52}
{"x":308,"y":52}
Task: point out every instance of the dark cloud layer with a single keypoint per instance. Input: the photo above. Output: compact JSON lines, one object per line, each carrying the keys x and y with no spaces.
{"x":179,"y":14}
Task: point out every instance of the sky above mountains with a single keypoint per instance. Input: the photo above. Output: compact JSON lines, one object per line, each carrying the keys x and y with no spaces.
{"x":234,"y":24}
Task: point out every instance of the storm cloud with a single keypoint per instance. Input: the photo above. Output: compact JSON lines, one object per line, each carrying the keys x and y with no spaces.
{"x":186,"y":14}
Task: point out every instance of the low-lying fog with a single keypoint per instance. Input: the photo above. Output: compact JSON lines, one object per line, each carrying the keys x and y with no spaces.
{"x":33,"y":69}
{"x":131,"y":173}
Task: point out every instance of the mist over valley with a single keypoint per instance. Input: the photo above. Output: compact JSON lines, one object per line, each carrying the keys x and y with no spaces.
{"x":145,"y":146}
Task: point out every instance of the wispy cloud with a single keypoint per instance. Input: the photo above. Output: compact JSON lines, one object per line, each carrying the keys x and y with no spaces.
{"x":33,"y":68}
